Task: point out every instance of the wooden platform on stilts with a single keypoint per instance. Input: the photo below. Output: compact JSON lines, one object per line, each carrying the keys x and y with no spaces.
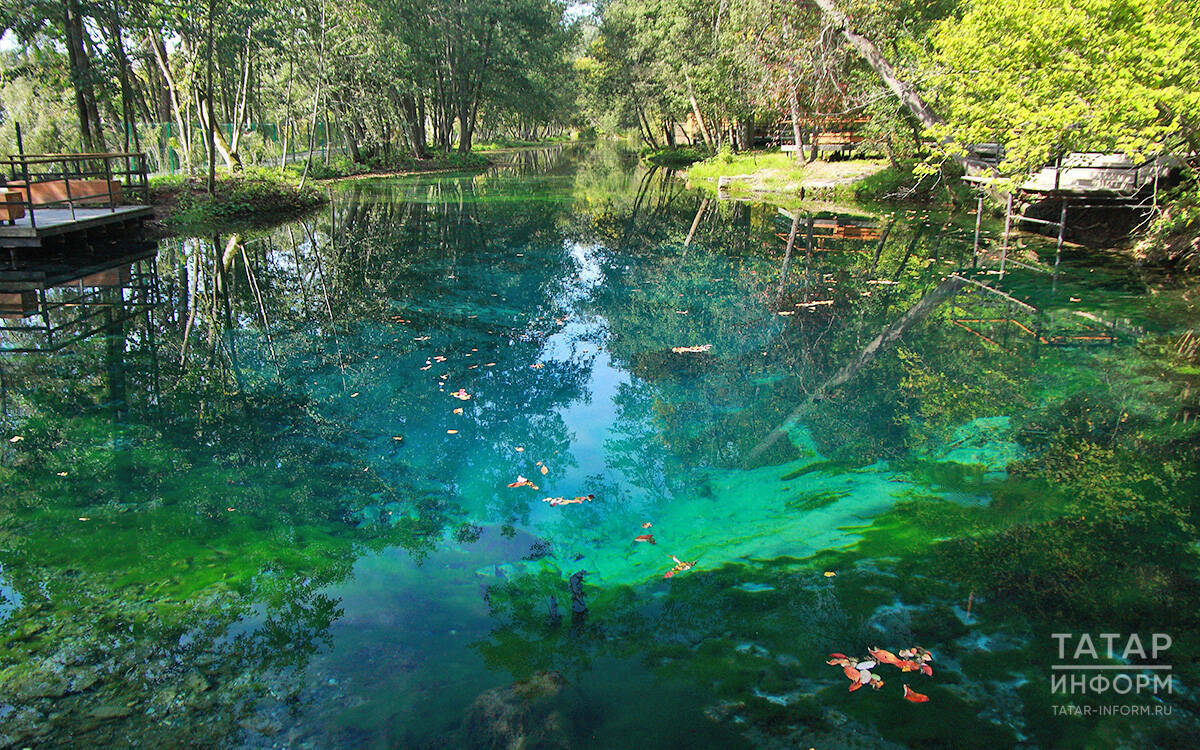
{"x":67,"y":224}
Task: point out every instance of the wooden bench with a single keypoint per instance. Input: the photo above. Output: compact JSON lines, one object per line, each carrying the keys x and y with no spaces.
{"x":83,"y":192}
{"x":11,"y":207}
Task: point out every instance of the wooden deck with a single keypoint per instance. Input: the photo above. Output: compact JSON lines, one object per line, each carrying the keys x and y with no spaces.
{"x":59,"y":223}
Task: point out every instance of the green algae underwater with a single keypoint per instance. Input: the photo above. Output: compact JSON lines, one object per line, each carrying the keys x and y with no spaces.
{"x":253,"y":512}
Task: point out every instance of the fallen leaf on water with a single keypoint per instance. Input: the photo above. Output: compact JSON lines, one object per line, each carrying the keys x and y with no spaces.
{"x":1073,"y":299}
{"x":681,"y":312}
{"x":647,"y":525}
{"x":538,"y":365}
{"x":522,"y":482}
{"x":62,"y":473}
{"x":426,"y":367}
{"x":397,"y":438}
{"x":15,"y":439}
{"x":519,"y":449}
{"x":458,"y":410}
{"x":565,"y":501}
{"x":439,"y":358}
{"x":461,"y":395}
{"x":680,"y":566}
{"x":691,"y":349}
{"x":472,"y":367}
{"x":354,"y":395}
{"x":645,"y":538}
{"x":830,"y":574}
{"x":914,"y":696}
{"x":230,"y":509}
{"x":451,"y":432}
{"x":84,"y":518}
{"x":421,"y":338}
{"x":543,"y":468}
{"x":489,"y":364}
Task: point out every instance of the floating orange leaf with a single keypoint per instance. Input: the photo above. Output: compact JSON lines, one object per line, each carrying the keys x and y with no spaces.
{"x":565,"y":501}
{"x":523,"y":482}
{"x":645,"y":538}
{"x":680,"y":566}
{"x":647,"y":525}
{"x":458,"y":410}
{"x":461,"y":395}
{"x":914,"y":696}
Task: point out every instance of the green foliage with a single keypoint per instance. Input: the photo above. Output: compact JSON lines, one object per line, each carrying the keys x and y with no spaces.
{"x":1050,"y":78}
{"x":337,"y":167}
{"x":257,"y":193}
{"x":674,"y":157}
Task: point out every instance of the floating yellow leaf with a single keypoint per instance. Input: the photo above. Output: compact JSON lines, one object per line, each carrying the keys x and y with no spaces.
{"x":458,"y":410}
{"x":830,"y":574}
{"x":15,"y":439}
{"x":62,"y":473}
{"x":451,"y":432}
{"x":461,"y":395}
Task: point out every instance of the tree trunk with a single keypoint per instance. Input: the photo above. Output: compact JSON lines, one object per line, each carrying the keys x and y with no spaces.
{"x":903,"y":91}
{"x":80,"y":71}
{"x":699,"y":118}
{"x":794,"y":110}
{"x":160,"y":56}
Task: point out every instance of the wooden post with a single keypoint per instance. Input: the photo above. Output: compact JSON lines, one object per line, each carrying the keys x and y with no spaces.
{"x":112,"y":203}
{"x":25,"y":175}
{"x":1007,"y":227}
{"x":1154,"y":205}
{"x":66,"y":186}
{"x":978,"y":217}
{"x":1062,"y":230}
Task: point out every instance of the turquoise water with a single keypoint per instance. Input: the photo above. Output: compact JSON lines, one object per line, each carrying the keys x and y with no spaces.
{"x":253,"y":512}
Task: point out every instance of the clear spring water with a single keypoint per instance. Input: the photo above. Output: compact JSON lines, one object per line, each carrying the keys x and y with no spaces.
{"x":254,"y":512}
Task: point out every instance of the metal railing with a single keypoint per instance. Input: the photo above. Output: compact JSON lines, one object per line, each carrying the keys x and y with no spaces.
{"x":26,"y":171}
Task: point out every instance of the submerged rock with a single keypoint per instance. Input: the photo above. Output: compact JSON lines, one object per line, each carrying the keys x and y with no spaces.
{"x":528,"y":714}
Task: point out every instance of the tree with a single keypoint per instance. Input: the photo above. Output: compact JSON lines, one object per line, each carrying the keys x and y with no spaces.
{"x":1054,"y":77}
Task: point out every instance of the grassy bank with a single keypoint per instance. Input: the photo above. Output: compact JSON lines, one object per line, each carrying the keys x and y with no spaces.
{"x":340,"y":167}
{"x":263,"y":195}
{"x":755,"y":172}
{"x":777,"y":175}
{"x":675,"y":157}
{"x":183,"y":204}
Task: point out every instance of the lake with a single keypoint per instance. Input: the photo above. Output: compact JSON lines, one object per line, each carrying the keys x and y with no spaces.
{"x":568,"y":454}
